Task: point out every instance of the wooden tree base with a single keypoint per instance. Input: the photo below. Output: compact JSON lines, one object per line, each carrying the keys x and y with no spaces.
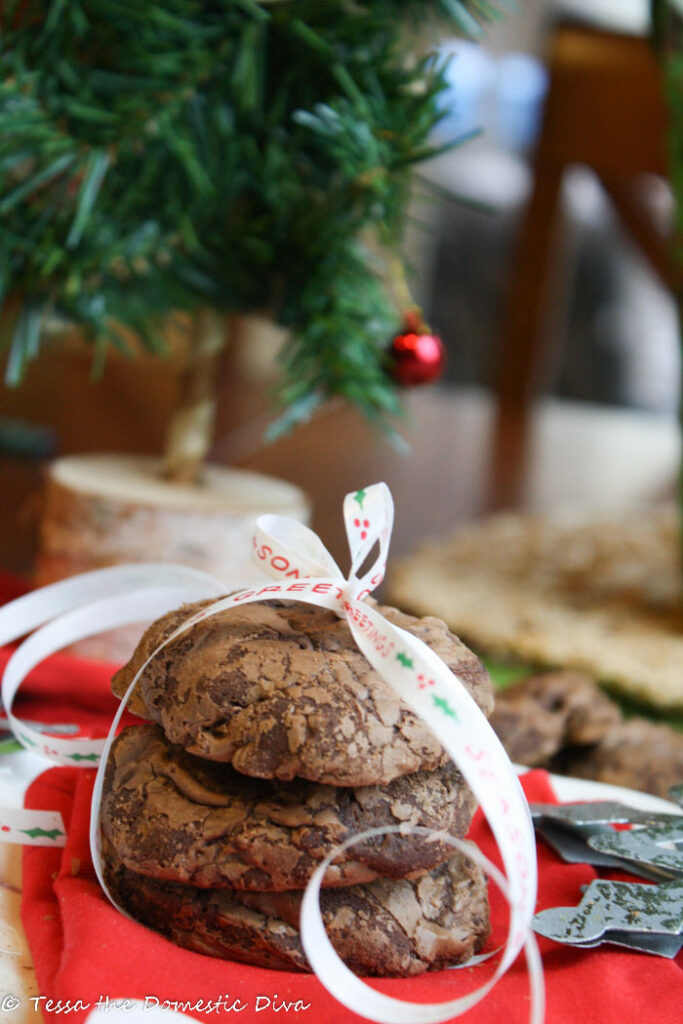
{"x":102,"y":510}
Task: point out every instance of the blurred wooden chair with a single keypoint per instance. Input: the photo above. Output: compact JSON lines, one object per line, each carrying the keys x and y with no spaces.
{"x":604,"y":109}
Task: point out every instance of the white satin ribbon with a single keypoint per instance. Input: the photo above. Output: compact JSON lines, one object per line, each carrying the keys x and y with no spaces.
{"x":295,"y":557}
{"x":66,"y":612}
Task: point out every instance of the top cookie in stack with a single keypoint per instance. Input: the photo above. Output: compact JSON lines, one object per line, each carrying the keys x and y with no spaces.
{"x":277,"y":741}
{"x":280,"y":690}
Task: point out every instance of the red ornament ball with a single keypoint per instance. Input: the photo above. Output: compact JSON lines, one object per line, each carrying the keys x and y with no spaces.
{"x":416,"y":356}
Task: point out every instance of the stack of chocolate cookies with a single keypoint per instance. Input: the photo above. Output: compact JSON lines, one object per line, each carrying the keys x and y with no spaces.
{"x":273,"y":741}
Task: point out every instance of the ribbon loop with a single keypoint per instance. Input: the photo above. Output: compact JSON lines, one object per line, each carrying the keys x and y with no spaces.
{"x":26,"y":613}
{"x":96,"y":616}
{"x":368,"y":518}
{"x":285,"y":549}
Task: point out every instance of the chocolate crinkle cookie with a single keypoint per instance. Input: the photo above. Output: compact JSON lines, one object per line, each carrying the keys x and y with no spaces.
{"x":280,"y":689}
{"x":173,"y":816}
{"x":382,"y":928}
{"x":543,"y":714}
{"x":564,"y":722}
{"x":638,"y":754}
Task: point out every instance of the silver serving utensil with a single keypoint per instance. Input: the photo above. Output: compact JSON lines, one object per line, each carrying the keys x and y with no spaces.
{"x":657,"y":849}
{"x":574,"y":850}
{"x":571,"y":828}
{"x":586,"y":817}
{"x":645,"y":918}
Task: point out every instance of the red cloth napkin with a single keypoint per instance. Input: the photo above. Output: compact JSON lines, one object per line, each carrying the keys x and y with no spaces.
{"x":84,"y":949}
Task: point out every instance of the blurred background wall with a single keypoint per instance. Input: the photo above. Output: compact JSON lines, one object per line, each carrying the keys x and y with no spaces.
{"x":611,"y":330}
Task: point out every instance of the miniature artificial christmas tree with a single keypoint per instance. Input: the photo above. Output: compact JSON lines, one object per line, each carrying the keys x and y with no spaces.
{"x":230,"y":154}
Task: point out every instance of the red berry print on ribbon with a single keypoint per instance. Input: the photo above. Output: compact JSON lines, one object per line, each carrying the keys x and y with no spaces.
{"x":5,"y":828}
{"x":424,"y":683}
{"x":362,"y":525}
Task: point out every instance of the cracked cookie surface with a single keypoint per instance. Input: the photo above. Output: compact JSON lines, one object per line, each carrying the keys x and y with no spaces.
{"x":386,"y":927}
{"x":171,"y":815}
{"x":279,"y":689}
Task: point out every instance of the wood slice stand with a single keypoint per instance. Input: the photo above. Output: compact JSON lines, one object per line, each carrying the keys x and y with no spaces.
{"x":102,"y":510}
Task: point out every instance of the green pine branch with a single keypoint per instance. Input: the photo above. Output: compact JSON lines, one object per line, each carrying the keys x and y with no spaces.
{"x":157,"y":156}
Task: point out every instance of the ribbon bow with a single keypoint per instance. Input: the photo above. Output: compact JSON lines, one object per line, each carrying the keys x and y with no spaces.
{"x":304,"y":570}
